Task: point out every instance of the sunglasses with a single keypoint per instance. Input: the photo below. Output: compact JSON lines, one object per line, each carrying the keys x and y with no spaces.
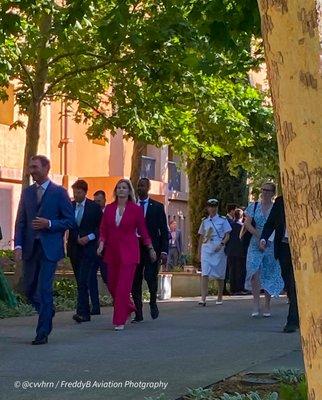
{"x":267,"y":190}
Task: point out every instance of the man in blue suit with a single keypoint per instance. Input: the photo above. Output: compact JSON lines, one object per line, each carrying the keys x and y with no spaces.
{"x":45,"y":213}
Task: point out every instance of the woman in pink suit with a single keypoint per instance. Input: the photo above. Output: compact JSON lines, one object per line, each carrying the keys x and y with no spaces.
{"x":121,"y":222}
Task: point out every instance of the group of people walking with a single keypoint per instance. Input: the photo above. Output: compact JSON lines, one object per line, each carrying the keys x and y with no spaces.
{"x":129,"y":236}
{"x":128,"y":239}
{"x":267,"y":258}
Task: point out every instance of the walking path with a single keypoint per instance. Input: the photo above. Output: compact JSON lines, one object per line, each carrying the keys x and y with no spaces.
{"x":188,"y":346}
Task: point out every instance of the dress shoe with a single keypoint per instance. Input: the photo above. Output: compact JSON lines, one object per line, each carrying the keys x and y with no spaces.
{"x":255,"y":314}
{"x":154,"y":311}
{"x":95,"y":313}
{"x":136,"y":320}
{"x":40,"y":340}
{"x":267,"y":314}
{"x":218,"y":303}
{"x":202,"y":303}
{"x":290,"y":328}
{"x":81,"y":318}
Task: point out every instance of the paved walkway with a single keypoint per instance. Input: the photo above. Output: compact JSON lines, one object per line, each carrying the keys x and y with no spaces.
{"x":188,"y":346}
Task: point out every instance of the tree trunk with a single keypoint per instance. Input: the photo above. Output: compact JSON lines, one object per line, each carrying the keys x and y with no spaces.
{"x":139,"y":150}
{"x":211,"y":179}
{"x":38,"y":89}
{"x":293,"y":54}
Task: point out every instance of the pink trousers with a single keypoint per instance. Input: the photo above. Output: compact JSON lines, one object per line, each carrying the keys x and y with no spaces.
{"x":119,"y":283}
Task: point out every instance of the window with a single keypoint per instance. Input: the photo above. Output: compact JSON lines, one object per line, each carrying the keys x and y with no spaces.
{"x":174,"y":177}
{"x":147,"y":167}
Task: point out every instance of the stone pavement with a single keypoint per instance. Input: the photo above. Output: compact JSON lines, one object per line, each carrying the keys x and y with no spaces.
{"x":188,"y":346}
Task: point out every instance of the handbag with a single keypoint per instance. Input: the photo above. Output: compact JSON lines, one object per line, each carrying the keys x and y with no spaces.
{"x":245,"y":235}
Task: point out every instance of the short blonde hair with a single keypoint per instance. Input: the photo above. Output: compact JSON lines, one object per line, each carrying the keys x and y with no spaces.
{"x":130,"y":187}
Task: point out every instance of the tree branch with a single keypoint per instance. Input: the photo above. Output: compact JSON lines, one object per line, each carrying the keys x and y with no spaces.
{"x":77,"y":53}
{"x":74,"y":72}
{"x":28,"y":76}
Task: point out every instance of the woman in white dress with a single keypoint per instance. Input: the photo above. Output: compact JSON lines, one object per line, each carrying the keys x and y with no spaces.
{"x":214,"y":234}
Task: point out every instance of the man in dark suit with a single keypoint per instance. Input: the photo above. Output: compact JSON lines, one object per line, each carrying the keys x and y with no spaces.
{"x":236,"y":257}
{"x":45,"y":213}
{"x":276,"y":221}
{"x":156,"y":222}
{"x":100,"y":199}
{"x":81,"y":248}
{"x":175,"y":245}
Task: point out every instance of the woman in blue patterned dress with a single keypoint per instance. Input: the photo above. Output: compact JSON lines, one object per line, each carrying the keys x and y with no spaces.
{"x":263,"y":270}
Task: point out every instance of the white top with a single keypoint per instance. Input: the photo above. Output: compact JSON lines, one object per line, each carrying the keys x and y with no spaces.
{"x":214,"y":230}
{"x":118,"y":217}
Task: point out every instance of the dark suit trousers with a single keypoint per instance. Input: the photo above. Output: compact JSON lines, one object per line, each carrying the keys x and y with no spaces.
{"x":38,"y":277}
{"x":84,"y":266}
{"x":149,"y":271}
{"x":288,"y":276}
{"x":237,"y":273}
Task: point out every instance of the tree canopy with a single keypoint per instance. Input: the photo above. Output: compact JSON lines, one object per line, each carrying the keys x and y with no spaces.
{"x":170,"y":72}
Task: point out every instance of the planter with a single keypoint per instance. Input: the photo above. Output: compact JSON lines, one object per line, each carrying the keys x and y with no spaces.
{"x":185,"y":284}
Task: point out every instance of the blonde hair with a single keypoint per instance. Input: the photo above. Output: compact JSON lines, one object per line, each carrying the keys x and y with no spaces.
{"x":131,"y":196}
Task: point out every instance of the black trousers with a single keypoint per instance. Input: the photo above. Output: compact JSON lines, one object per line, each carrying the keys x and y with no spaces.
{"x":237,"y":273}
{"x":149,"y":271}
{"x":84,"y":266}
{"x":289,"y":280}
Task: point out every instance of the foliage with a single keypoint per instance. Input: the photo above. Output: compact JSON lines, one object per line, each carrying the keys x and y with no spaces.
{"x":22,"y":308}
{"x":167,"y":72}
{"x":208,"y":394}
{"x":65,"y":288}
{"x":297,"y":392}
{"x":289,"y":376}
{"x":249,"y":396}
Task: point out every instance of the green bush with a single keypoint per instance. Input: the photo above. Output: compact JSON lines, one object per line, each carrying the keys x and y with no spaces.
{"x":65,"y":288}
{"x":294,"y":392}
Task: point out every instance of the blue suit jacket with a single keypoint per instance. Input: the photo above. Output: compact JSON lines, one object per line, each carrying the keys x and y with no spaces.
{"x":55,"y":206}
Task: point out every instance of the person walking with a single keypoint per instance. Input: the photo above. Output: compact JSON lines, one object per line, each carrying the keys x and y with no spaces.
{"x":45,"y":212}
{"x":122,"y":221}
{"x":276,"y":222}
{"x":262,"y":270}
{"x":82,"y":248}
{"x":214,"y":235}
{"x":156,"y":223}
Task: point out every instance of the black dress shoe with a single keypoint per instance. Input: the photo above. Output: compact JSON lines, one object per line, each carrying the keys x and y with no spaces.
{"x":40,"y":340}
{"x":136,"y":320}
{"x":154,"y":311}
{"x":81,"y":318}
{"x":290,"y":328}
{"x":95,"y":313}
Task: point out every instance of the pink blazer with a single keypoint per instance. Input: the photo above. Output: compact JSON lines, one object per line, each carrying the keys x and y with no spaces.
{"x":121,"y":242}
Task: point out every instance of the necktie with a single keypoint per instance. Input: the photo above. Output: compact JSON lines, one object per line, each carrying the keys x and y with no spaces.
{"x":142,"y":204}
{"x":40,"y":193}
{"x":79,"y":214}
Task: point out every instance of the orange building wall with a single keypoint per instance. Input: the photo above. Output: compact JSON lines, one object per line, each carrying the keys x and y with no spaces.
{"x":83,"y":156}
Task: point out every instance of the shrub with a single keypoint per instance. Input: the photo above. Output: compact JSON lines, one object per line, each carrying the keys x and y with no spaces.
{"x":297,"y":392}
